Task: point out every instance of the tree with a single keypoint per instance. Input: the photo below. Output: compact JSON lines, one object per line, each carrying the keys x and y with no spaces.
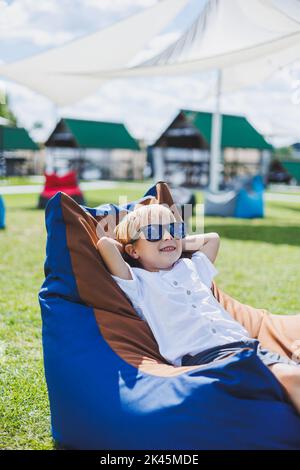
{"x":5,"y":112}
{"x":283,"y":153}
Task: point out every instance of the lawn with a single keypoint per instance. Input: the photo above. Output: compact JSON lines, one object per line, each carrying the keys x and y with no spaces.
{"x":288,"y":193}
{"x":258,"y":263}
{"x":19,"y":180}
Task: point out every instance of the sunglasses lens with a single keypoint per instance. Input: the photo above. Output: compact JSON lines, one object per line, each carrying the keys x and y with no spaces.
{"x":177,"y":230}
{"x":154,"y":232}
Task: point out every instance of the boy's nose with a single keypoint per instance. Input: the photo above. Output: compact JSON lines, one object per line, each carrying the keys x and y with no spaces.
{"x":166,"y":235}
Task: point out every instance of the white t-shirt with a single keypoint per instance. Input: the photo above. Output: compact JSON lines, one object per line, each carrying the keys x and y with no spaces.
{"x":179,"y":306}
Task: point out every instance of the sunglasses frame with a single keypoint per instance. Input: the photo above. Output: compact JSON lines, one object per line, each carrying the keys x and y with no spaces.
{"x":171,"y":227}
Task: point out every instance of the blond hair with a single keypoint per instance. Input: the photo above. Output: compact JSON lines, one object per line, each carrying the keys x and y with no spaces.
{"x":141,"y":216}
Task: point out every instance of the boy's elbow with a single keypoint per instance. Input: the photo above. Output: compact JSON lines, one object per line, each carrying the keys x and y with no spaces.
{"x":215,"y":235}
{"x":102,"y":241}
{"x":216,"y":238}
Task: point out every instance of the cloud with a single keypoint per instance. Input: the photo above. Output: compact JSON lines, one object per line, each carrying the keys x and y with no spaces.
{"x":118,"y":5}
{"x":49,"y":23}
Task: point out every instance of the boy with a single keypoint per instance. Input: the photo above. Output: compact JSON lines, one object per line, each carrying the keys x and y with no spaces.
{"x":173,"y":294}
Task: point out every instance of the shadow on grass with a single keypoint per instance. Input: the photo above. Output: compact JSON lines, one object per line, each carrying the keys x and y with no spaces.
{"x":274,"y":235}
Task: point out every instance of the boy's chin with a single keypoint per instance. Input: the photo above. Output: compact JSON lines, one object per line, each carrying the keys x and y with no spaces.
{"x":168,"y":261}
{"x":172,"y":255}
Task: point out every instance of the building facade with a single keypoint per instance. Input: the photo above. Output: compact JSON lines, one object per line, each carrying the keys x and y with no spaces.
{"x":95,"y":149}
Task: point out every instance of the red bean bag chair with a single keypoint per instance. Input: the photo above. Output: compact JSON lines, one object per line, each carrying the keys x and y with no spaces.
{"x":55,"y":183}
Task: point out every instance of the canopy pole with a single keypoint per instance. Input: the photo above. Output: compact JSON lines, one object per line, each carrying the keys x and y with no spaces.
{"x":2,"y":146}
{"x":216,"y":133}
{"x":52,"y":155}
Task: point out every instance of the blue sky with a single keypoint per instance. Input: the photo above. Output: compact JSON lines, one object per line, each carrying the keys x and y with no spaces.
{"x":145,"y":105}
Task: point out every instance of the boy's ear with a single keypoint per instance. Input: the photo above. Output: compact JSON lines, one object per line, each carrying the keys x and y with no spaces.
{"x":130,"y":250}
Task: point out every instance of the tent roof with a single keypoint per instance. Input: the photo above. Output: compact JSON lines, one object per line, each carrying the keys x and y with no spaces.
{"x":16,"y":138}
{"x":293,"y":168}
{"x":237,"y":132}
{"x":97,"y":134}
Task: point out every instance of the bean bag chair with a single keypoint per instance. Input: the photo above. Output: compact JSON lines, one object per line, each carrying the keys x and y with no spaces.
{"x":249,"y":204}
{"x":55,"y":183}
{"x":2,"y":213}
{"x":243,"y":200}
{"x":220,"y":204}
{"x":250,"y":199}
{"x":258,"y":183}
{"x":108,"y":385}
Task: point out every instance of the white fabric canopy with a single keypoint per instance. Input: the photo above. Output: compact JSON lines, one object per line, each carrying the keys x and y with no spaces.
{"x":66,"y":74}
{"x":247,"y":40}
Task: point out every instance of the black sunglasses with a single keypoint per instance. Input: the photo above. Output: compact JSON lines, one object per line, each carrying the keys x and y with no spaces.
{"x":154,"y":232}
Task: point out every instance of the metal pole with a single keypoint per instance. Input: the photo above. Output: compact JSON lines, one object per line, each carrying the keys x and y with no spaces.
{"x":158,"y":164}
{"x":2,"y":156}
{"x":216,"y":133}
{"x":52,"y":154}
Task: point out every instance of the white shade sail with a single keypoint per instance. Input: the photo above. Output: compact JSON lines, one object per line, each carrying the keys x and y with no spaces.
{"x":247,"y":40}
{"x":67,"y":74}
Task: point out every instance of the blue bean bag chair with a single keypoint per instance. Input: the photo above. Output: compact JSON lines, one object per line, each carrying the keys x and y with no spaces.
{"x":250,"y":199}
{"x":108,"y":385}
{"x":2,"y":213}
{"x":249,"y":205}
{"x":243,"y":199}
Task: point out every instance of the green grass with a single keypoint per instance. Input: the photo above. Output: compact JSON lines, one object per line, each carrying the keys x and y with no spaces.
{"x":258,"y":264}
{"x":31,"y":180}
{"x":17,"y":181}
{"x":259,"y":259}
{"x":289,"y":193}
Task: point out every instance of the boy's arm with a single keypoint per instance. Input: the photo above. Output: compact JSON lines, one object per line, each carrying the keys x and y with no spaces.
{"x":110,"y":251}
{"x":207,"y":243}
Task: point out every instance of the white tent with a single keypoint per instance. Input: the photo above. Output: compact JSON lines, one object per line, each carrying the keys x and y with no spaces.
{"x":66,"y":74}
{"x":247,"y":40}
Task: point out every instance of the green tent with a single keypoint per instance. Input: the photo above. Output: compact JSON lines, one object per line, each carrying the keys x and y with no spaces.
{"x":293,"y":168}
{"x":85,"y":134}
{"x":16,"y":138}
{"x":237,"y":132}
